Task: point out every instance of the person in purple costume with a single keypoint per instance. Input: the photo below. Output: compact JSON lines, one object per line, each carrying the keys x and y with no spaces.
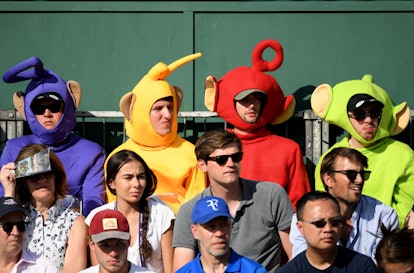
{"x":49,"y":106}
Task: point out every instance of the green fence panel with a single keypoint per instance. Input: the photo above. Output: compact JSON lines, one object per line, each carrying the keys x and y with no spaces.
{"x":109,"y":46}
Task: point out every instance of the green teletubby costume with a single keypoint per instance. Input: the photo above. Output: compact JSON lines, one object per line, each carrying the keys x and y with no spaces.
{"x":391,"y":161}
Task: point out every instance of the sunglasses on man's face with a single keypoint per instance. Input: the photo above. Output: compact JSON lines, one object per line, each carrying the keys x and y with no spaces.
{"x":36,"y":177}
{"x":361,"y":115}
{"x":352,"y":174}
{"x":322,"y":223}
{"x":40,"y":108}
{"x":8,"y":226}
{"x":222,"y":159}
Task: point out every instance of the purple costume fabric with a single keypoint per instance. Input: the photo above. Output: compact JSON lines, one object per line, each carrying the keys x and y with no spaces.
{"x":83,"y":159}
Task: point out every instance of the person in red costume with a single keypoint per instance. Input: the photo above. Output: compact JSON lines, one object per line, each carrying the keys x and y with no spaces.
{"x":251,"y":101}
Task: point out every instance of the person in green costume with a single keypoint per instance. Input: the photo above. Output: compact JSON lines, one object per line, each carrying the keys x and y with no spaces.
{"x":370,"y":117}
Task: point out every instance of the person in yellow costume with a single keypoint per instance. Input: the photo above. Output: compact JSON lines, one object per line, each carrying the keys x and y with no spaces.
{"x":151,"y":123}
{"x":367,"y":113}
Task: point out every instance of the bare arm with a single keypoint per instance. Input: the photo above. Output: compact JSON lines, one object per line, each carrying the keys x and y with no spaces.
{"x":167,"y":250}
{"x":284,"y":238}
{"x":76,"y":252}
{"x":182,"y":256}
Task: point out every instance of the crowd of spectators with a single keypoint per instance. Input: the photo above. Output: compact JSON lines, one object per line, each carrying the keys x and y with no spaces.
{"x":239,"y":200}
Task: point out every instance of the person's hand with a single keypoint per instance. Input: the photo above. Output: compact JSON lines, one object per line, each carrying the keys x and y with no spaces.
{"x":8,"y":179}
{"x":409,"y":220}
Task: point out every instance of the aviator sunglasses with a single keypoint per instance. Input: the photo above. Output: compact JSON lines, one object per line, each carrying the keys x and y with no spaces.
{"x":8,"y":226}
{"x":222,"y":159}
{"x":54,"y":107}
{"x":322,"y":223}
{"x":352,"y":174}
{"x":361,"y":115}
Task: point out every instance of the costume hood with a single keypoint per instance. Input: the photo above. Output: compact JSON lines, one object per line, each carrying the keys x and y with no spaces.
{"x":43,"y":81}
{"x":331,"y":105}
{"x":220,"y":95}
{"x":136,"y":105}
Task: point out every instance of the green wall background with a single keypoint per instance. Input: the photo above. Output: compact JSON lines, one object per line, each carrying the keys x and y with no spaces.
{"x":108,"y":46}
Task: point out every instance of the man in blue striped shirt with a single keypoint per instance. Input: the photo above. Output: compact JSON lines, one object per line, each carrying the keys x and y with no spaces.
{"x":343,"y":174}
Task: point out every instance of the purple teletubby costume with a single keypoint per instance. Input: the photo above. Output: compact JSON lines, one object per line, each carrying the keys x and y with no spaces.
{"x":83,"y":159}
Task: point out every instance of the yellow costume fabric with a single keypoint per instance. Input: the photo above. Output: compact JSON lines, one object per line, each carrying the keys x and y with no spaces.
{"x":179,"y":178}
{"x":170,"y":157}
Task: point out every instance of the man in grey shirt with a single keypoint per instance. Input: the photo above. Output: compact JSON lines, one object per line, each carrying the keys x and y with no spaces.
{"x":261,"y":211}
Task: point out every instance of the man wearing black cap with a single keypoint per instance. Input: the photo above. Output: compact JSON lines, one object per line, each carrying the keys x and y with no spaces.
{"x":13,"y":258}
{"x":212,"y":227}
{"x":364,"y":112}
{"x":369,"y":116}
{"x":49,"y":106}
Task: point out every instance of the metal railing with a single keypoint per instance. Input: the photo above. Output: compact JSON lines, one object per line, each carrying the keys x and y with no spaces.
{"x":104,"y":126}
{"x":313,"y":134}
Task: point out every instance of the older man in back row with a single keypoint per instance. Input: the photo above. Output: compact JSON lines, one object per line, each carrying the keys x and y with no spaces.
{"x":13,"y":257}
{"x":343,"y":174}
{"x":211,"y":227}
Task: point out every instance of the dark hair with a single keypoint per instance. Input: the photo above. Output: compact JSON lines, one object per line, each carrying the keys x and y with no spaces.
{"x":115,"y":163}
{"x":22,"y":192}
{"x":395,"y":247}
{"x":313,"y":196}
{"x":331,"y":158}
{"x":168,"y":98}
{"x":213,"y":140}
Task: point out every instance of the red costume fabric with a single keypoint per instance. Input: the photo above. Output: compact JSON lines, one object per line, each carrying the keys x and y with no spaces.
{"x":267,"y":157}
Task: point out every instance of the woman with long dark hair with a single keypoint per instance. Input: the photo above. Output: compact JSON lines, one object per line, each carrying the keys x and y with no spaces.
{"x":151,"y":223}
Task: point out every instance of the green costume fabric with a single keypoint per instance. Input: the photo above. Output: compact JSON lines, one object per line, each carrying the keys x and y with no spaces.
{"x":391,"y":161}
{"x":392,"y":181}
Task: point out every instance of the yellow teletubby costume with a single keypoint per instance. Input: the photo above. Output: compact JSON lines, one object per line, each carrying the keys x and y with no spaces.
{"x":170,"y":157}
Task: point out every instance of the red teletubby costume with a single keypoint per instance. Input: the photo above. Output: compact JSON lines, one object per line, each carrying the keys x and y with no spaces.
{"x":267,"y":157}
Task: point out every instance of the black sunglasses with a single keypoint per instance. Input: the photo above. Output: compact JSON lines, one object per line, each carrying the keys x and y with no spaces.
{"x":322,"y":223}
{"x":36,"y":177}
{"x":352,"y":174}
{"x":8,"y":226}
{"x":54,"y":107}
{"x":222,"y":159}
{"x":361,"y":115}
